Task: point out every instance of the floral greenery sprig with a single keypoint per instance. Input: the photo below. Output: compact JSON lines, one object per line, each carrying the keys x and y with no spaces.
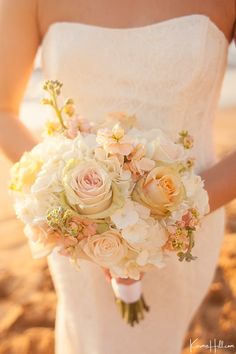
{"x":53,"y":88}
{"x":181,"y":235}
{"x":58,"y":218}
{"x":185,"y":139}
{"x":187,"y":255}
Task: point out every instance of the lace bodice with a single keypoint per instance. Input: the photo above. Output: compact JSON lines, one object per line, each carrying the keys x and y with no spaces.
{"x":169,"y":73}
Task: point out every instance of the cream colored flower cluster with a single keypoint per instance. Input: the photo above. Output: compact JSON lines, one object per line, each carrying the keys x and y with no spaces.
{"x":117,"y":196}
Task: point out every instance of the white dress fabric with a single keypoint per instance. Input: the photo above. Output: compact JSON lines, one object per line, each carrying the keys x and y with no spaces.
{"x":169,"y":75}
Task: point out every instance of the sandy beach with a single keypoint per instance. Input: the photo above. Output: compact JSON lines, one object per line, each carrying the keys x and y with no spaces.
{"x":27,"y":296}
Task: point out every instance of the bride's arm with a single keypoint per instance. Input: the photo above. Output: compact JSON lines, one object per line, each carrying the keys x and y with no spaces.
{"x":19,"y":40}
{"x":220,"y":181}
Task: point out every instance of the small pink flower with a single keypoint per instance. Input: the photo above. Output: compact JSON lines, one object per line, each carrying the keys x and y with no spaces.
{"x":90,"y":229}
{"x":78,"y":229}
{"x":115,"y":141}
{"x":190,"y":219}
{"x":138,"y":153}
{"x":77,"y":124}
{"x":81,"y":228}
{"x":178,"y":239}
{"x":193,"y":223}
{"x":137,"y":163}
{"x":181,"y":224}
{"x":67,"y":245}
{"x":70,"y":241}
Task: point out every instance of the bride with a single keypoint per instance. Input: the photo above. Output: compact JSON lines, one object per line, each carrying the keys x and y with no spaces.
{"x":163,"y":61}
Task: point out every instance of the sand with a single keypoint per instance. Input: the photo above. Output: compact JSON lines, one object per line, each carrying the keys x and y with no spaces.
{"x":27,"y":296}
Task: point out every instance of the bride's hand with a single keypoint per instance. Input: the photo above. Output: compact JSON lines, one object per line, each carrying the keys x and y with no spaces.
{"x":127,"y":281}
{"x":220,"y":181}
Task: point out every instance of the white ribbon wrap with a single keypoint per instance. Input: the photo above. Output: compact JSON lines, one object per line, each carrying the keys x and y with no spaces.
{"x":127,"y":293}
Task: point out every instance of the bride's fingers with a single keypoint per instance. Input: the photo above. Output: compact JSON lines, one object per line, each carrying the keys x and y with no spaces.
{"x":127,"y":281}
{"x":124,"y":281}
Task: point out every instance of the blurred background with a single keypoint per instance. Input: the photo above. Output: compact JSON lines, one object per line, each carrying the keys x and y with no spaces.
{"x":27,"y":297}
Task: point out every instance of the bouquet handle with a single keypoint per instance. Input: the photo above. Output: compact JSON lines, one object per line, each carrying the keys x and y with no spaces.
{"x":130,"y":301}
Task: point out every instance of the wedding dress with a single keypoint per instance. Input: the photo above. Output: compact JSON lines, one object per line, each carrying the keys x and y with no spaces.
{"x":169,"y":75}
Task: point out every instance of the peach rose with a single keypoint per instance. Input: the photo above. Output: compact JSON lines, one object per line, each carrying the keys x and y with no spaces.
{"x":161,"y":190}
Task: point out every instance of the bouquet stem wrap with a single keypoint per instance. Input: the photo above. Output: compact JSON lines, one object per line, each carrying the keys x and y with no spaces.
{"x":130,"y":301}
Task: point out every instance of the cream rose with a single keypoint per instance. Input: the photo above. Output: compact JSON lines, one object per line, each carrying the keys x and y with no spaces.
{"x":106,"y":249}
{"x":161,"y":190}
{"x":90,"y":190}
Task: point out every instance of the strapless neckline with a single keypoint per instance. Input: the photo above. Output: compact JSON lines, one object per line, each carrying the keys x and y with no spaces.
{"x":124,"y":30}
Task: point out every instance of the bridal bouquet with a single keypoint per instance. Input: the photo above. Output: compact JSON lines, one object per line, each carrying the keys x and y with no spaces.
{"x":111,"y":194}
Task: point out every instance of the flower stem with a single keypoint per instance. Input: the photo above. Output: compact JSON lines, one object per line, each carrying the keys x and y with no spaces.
{"x":188,"y":255}
{"x":57,"y":110}
{"x":132,"y":312}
